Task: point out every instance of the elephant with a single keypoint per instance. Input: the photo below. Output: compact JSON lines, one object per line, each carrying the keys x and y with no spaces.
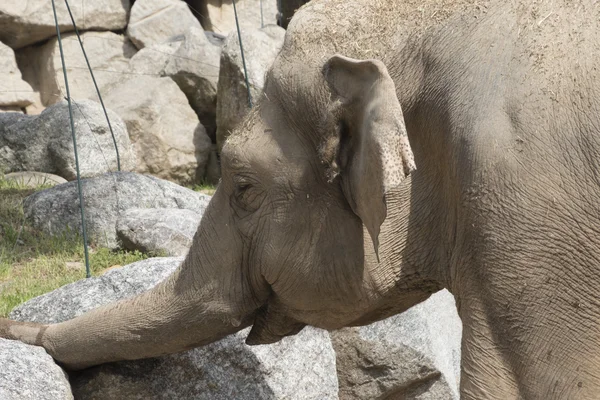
{"x":399,"y":148}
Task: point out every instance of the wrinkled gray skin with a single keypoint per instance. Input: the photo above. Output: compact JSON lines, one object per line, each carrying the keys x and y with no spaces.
{"x":502,"y":109}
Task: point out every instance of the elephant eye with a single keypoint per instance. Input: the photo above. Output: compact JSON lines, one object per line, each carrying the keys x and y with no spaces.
{"x":241,"y":189}
{"x":245,"y":196}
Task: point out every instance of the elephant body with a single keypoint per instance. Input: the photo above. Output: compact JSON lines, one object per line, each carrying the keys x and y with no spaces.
{"x":400,"y":148}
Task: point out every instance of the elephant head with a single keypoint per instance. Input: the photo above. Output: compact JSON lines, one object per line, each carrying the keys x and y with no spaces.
{"x":299,"y":197}
{"x":313,"y":223}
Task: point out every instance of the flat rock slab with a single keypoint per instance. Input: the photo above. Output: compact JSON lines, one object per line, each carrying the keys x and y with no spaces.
{"x":297,"y":368}
{"x":56,"y":210}
{"x":156,"y":21}
{"x":158,"y":231}
{"x":26,"y":22}
{"x":29,"y":373}
{"x":32,"y":179}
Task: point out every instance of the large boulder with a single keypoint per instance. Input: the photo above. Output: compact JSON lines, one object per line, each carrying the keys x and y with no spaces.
{"x":300,"y":367}
{"x":413,"y":355}
{"x":7,"y":154}
{"x":168,"y":138}
{"x":218,"y":15}
{"x":14,"y":91}
{"x":108,"y":53}
{"x":44,"y":143}
{"x":192,"y":61}
{"x":31,"y":21}
{"x":29,"y":373}
{"x":158,"y":230}
{"x":106,"y":197}
{"x":195,"y":69}
{"x":260,"y":48}
{"x":156,"y":21}
{"x":152,"y":59}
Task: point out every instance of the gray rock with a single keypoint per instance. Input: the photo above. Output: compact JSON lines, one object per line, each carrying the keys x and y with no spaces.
{"x":156,"y":21}
{"x":27,"y":22}
{"x":152,"y":59}
{"x":168,"y":138}
{"x":44,"y":143}
{"x":218,"y":15}
{"x":260,"y":48}
{"x":195,"y":69}
{"x":34,"y":179}
{"x":29,"y":373}
{"x":299,"y":367}
{"x":56,"y":210}
{"x":158,"y":231}
{"x":215,"y":38}
{"x":7,"y":119}
{"x":14,"y":91}
{"x":192,"y":61}
{"x":108,"y":53}
{"x":414,"y":355}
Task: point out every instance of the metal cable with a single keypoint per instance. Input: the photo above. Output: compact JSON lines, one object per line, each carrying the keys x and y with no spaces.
{"x":96,"y":86}
{"x":279,"y":14}
{"x":237,"y":24}
{"x":79,"y":188}
{"x":262,"y":22}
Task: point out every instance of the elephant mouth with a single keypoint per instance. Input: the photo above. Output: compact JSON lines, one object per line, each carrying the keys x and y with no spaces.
{"x":271,"y":325}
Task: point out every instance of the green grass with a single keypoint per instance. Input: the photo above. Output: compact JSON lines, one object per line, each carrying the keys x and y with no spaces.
{"x":33,"y":263}
{"x":206,"y":188}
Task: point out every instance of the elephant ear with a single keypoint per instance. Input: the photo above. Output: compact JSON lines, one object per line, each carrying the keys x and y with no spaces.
{"x":373,"y":154}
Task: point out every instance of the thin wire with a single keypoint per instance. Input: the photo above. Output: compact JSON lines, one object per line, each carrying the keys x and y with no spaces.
{"x":262,"y":22}
{"x":96,"y":86}
{"x":101,"y":151}
{"x":279,"y":13}
{"x":93,"y":135}
{"x":237,"y":24}
{"x":79,"y":188}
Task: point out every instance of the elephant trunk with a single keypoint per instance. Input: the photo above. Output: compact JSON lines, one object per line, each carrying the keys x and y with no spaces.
{"x":155,"y":323}
{"x":201,"y":302}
